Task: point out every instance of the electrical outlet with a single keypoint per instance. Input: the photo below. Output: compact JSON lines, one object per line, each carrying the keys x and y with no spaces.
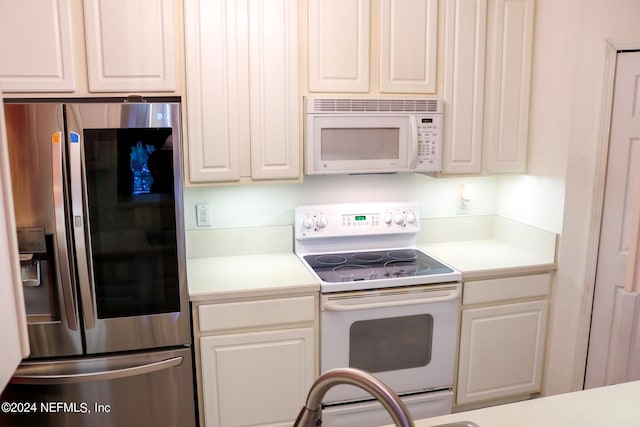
{"x":203,"y":217}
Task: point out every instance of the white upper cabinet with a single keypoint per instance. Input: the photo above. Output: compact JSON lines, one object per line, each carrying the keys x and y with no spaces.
{"x":243,"y":106}
{"x":88,"y":46}
{"x":130,"y":45}
{"x":348,"y":41}
{"x":488,"y":50}
{"x":464,"y":85}
{"x":339,"y":45}
{"x":510,"y":35}
{"x":36,"y":50}
{"x":408,"y":45}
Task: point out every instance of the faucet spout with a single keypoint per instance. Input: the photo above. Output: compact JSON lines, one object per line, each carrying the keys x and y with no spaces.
{"x":311,"y":413}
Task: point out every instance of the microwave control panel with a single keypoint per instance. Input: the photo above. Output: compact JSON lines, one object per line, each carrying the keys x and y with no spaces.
{"x":429,"y":143}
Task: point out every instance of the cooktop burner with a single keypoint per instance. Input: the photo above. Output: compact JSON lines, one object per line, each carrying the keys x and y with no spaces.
{"x":374,"y":265}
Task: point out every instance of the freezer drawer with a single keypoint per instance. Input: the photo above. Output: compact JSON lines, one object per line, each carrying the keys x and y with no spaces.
{"x":139,"y":389}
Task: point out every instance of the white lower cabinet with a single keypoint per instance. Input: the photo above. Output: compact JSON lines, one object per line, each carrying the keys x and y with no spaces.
{"x":259,"y":378}
{"x":255,"y":360}
{"x":502,"y":345}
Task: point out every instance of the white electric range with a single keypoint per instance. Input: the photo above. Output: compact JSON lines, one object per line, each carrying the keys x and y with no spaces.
{"x":386,"y":307}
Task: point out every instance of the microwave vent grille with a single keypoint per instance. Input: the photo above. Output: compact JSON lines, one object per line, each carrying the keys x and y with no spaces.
{"x":355,"y":105}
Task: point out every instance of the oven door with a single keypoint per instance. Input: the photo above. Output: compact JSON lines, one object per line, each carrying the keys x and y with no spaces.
{"x":406,"y":337}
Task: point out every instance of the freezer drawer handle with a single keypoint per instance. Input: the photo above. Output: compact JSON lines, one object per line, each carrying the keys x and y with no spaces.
{"x":329,"y":306}
{"x":97,"y":376}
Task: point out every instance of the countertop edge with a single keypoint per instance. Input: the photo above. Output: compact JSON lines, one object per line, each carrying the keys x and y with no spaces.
{"x":499,"y":272}
{"x":253,"y":293}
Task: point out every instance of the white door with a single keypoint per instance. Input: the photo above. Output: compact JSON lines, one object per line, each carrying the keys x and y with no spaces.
{"x":615,"y":309}
{"x":501,"y":351}
{"x":130,"y":45}
{"x":13,"y":334}
{"x":256,"y":378}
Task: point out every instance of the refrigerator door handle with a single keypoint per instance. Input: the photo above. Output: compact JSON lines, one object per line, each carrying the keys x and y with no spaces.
{"x":104,"y":375}
{"x":85,"y":278}
{"x":61,"y":247}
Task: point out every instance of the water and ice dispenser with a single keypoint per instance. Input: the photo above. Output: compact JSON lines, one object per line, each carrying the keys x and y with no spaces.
{"x":37,"y":277}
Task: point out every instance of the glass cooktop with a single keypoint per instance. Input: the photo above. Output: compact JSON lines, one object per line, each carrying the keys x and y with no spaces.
{"x":374,"y":265}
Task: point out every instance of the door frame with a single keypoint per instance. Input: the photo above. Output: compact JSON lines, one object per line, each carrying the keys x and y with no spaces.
{"x":613,"y":47}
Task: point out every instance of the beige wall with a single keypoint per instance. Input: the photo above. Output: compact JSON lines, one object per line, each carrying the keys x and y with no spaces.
{"x":568,"y":104}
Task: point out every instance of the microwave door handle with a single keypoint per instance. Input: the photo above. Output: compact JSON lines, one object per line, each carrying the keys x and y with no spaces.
{"x":331,"y":306}
{"x":413,"y":158}
{"x":82,"y":248}
{"x":61,"y":243}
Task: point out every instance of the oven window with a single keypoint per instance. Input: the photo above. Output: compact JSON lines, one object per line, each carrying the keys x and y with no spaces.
{"x":391,"y":344}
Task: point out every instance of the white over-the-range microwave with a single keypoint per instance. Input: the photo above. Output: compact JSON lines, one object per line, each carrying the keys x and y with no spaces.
{"x":365,"y":135}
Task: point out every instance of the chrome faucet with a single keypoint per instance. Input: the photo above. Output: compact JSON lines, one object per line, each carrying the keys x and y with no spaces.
{"x":311,"y":413}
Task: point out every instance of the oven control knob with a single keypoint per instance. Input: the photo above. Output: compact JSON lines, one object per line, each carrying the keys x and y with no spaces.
{"x":307,"y":222}
{"x":399,"y":218}
{"x":321,"y":222}
{"x":387,"y":218}
{"x":411,"y":217}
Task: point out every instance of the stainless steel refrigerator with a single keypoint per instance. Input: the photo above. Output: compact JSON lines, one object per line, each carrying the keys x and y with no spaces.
{"x":98,"y":206}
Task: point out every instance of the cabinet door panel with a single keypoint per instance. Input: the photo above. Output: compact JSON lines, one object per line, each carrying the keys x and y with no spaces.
{"x":408,"y":45}
{"x":508,"y":85}
{"x":217,"y":93}
{"x":14,"y":336}
{"x":259,"y":378}
{"x":242,"y":89}
{"x":130,"y":45}
{"x":501,"y":351}
{"x":36,"y":52}
{"x":464,"y":86}
{"x":339,"y":45}
{"x":274,"y":88}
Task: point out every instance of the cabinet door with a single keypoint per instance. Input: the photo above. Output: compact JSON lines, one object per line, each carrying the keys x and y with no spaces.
{"x":36,"y":49}
{"x":242,"y":89}
{"x":501,"y":351}
{"x":259,"y":378}
{"x":510,"y":37}
{"x":15,"y":341}
{"x":130,"y":45}
{"x":464,"y":85}
{"x":339,"y":45}
{"x":274,"y":88}
{"x":408,"y":45}
{"x":217,"y":87}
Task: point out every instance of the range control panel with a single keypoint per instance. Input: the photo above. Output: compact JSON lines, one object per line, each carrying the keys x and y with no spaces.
{"x":357,"y":219}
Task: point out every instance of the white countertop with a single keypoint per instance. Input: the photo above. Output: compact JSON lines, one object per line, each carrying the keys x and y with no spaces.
{"x":259,"y":262}
{"x":248,"y":276}
{"x":481,"y":258}
{"x":279,"y":273}
{"x":615,"y":405}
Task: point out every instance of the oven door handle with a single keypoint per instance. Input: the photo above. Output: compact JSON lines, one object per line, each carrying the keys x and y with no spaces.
{"x":333,"y":306}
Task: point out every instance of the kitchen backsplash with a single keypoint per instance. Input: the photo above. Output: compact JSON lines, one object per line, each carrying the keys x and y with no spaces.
{"x":272,"y":205}
{"x":268,"y":208}
{"x":259,"y":218}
